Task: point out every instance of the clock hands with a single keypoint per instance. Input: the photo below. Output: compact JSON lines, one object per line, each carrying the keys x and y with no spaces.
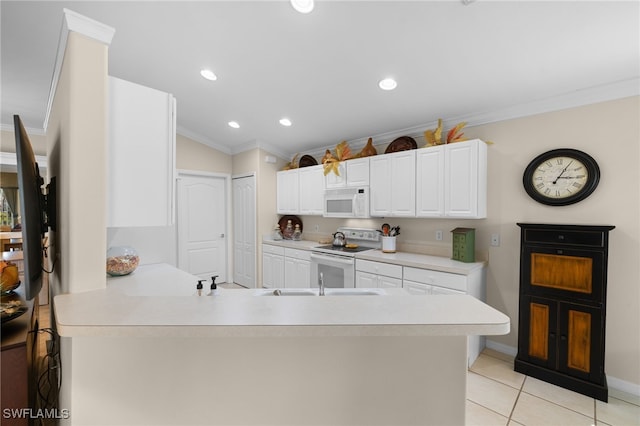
{"x":562,"y":172}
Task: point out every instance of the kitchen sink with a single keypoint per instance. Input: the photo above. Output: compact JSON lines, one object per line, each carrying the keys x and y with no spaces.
{"x":327,"y":292}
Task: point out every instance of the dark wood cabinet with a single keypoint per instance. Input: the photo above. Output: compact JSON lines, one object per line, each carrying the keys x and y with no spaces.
{"x":563,"y":288}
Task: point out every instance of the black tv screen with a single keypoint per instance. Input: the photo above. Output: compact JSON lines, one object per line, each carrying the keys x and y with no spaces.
{"x":32,"y":206}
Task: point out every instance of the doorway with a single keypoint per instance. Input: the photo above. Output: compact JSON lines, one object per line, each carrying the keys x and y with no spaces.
{"x":244,"y":230}
{"x":202,"y":224}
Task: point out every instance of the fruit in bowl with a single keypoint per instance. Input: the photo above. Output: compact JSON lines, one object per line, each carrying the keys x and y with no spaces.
{"x":9,"y":279}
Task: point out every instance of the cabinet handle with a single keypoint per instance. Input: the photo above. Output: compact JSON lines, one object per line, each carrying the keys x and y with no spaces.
{"x":552,"y":335}
{"x":563,"y":338}
{"x":559,"y":251}
{"x":561,"y":237}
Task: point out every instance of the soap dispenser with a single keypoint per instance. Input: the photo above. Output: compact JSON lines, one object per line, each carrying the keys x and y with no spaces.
{"x":214,"y":286}
{"x":199,"y":287}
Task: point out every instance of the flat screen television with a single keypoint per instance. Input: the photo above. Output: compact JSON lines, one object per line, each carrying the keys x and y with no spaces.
{"x":37,"y":210}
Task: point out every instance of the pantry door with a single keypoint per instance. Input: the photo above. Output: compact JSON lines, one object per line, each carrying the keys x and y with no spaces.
{"x":244,"y":231}
{"x":202,"y":226}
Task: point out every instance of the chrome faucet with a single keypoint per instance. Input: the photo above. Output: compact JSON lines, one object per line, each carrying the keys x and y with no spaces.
{"x":321,"y":285}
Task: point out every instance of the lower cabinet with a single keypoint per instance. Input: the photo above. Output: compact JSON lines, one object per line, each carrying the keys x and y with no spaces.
{"x":272,"y":266}
{"x":285,"y":267}
{"x":378,"y":275}
{"x":297,"y":268}
{"x":563,"y":336}
{"x":419,"y":281}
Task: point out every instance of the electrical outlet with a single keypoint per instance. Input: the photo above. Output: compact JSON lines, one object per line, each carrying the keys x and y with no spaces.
{"x":438,"y":235}
{"x":317,"y":228}
{"x":495,"y":240}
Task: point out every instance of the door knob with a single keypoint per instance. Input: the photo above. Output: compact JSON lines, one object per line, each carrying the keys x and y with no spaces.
{"x":221,"y":235}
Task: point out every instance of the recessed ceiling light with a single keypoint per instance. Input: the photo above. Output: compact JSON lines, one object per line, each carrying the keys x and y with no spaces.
{"x":387,"y":84}
{"x":209,"y":75}
{"x":285,"y":122}
{"x":234,"y":124}
{"x":302,"y":6}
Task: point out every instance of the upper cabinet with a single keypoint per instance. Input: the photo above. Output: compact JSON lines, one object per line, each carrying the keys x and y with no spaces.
{"x":392,"y":181}
{"x":354,"y":172}
{"x":141,"y":155}
{"x":435,"y":182}
{"x":465,"y":179}
{"x":452,"y":180}
{"x":287,"y":191}
{"x":300,"y":191}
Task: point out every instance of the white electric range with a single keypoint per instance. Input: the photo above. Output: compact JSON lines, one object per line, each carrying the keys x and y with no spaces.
{"x":338,"y":264}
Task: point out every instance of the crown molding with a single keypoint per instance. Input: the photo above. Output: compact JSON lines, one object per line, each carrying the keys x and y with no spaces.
{"x":9,"y":162}
{"x":608,"y":92}
{"x":30,"y":130}
{"x":257,"y":144}
{"x":73,"y":21}
{"x":203,"y":140}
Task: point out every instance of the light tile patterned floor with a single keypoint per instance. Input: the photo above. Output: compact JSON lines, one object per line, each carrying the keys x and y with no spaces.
{"x":497,"y":395}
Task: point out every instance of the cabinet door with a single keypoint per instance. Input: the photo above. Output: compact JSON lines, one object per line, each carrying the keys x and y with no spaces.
{"x":538,"y":319}
{"x":311,"y":190}
{"x":332,"y":180}
{"x":430,"y":182}
{"x":358,"y":172}
{"x":393,"y":184}
{"x":141,"y":156}
{"x":287,"y":192}
{"x":443,"y":290}
{"x":297,"y":273}
{"x":389,"y":282}
{"x":466,"y":179}
{"x":366,"y":280}
{"x":581,"y":344}
{"x":272,"y":270}
{"x":403,"y":181}
{"x":416,"y":288}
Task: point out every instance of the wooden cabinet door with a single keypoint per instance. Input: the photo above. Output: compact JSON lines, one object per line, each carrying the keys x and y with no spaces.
{"x":539,"y":319}
{"x":466,"y":179}
{"x":580,"y":340}
{"x":358,"y":172}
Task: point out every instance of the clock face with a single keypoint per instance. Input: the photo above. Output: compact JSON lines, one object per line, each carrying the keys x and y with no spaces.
{"x":561,"y":177}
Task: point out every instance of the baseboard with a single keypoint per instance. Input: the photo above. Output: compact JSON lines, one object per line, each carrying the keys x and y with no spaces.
{"x":616,"y":386}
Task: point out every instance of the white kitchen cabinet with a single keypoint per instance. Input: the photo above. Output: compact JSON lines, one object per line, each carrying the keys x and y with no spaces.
{"x":272,"y":266}
{"x":297,"y":268}
{"x":430,"y":181}
{"x":452,"y":180}
{"x":393,"y":184}
{"x":465,"y":180}
{"x":377,"y":274}
{"x":287,"y":192}
{"x":310,"y":190}
{"x":354,"y":172}
{"x":418,"y":281}
{"x":141,"y":156}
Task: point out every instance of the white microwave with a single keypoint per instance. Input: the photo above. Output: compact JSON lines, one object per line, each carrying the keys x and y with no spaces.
{"x":346,"y":202}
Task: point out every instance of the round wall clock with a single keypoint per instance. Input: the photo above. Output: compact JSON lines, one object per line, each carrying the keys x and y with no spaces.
{"x":561,"y":177}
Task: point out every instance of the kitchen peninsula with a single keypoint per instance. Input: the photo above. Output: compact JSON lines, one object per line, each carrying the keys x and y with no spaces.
{"x":148,"y":350}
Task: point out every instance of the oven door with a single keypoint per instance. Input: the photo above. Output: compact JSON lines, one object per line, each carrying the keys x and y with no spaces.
{"x":337,"y":271}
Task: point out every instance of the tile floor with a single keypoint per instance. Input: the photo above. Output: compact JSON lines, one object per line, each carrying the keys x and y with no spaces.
{"x":497,"y":395}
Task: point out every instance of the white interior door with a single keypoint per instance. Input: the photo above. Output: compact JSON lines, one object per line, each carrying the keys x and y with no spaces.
{"x":244,"y":231}
{"x":202,"y":228}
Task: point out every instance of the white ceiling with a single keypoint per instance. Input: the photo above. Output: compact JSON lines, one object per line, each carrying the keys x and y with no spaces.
{"x":478,"y":62}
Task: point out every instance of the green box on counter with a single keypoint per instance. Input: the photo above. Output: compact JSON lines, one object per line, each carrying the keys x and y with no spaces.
{"x":464,"y":244}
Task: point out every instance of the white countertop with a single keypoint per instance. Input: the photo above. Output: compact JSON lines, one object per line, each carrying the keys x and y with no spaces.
{"x":423,"y":261}
{"x":415,"y":260}
{"x":159,"y":300}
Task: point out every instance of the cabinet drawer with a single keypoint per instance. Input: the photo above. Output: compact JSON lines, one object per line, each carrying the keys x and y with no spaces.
{"x":441,"y":279}
{"x":268,"y":248}
{"x":379,"y":268}
{"x":297,"y":254}
{"x":565,"y":237}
